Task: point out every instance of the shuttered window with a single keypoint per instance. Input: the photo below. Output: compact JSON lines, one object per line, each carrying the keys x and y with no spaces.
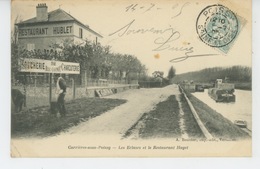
{"x":80,"y":33}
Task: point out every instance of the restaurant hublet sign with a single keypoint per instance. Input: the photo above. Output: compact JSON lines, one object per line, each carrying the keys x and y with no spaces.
{"x":48,"y":66}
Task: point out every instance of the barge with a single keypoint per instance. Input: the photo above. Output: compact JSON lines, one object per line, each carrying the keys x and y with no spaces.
{"x":222,"y":92}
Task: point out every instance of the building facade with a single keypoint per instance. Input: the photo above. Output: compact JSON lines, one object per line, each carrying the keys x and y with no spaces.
{"x":48,"y":29}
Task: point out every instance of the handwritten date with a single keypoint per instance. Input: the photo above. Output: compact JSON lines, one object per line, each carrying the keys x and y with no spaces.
{"x":134,"y":7}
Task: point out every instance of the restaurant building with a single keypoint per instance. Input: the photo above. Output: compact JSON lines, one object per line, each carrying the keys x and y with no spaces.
{"x":49,"y":28}
{"x":47,"y":32}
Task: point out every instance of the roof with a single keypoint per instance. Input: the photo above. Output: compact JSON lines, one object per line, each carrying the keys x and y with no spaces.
{"x":57,"y":15}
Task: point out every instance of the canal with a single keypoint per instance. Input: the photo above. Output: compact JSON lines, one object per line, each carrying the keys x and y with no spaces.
{"x":241,"y":109}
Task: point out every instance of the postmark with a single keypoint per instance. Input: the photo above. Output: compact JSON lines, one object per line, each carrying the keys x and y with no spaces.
{"x":217,"y":26}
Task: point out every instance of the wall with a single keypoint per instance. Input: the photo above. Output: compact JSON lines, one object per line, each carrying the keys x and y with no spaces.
{"x":39,"y":96}
{"x":43,"y":92}
{"x":46,"y":30}
{"x":43,"y":42}
{"x":86,"y":34}
{"x":44,"y":35}
{"x":90,"y":92}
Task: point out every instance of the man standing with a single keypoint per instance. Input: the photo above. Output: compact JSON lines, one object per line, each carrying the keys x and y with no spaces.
{"x":61,"y":90}
{"x":19,"y":100}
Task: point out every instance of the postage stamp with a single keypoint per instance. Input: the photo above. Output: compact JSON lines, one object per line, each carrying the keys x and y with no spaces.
{"x":217,"y":26}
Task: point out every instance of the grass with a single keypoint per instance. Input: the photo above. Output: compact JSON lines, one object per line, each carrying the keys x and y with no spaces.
{"x":191,"y":125}
{"x":243,"y":85}
{"x":163,"y":121}
{"x":216,"y":124}
{"x":39,"y":122}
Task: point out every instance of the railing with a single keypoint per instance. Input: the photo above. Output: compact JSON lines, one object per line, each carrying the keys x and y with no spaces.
{"x":108,"y":82}
{"x":37,"y":82}
{"x":151,"y":84}
{"x":97,"y":82}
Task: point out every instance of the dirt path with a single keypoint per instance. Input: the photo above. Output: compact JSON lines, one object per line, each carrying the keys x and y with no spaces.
{"x":117,"y":121}
{"x":105,"y":129}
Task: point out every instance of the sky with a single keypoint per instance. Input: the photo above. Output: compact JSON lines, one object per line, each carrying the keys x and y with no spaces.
{"x":155,"y":32}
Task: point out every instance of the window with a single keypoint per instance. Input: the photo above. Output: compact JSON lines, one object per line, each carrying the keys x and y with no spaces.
{"x":80,"y":33}
{"x":30,"y":46}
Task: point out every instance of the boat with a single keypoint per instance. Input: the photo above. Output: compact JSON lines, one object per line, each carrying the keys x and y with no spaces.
{"x":241,"y":123}
{"x":199,"y":88}
{"x":188,"y":86}
{"x":222,"y":92}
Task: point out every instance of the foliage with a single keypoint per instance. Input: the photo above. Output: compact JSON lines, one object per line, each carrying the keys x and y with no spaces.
{"x":14,"y":49}
{"x":234,"y":74}
{"x":95,"y":59}
{"x":158,"y":74}
{"x":39,"y":122}
{"x":171,"y":73}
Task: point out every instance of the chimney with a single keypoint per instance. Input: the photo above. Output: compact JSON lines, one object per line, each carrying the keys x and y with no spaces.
{"x":42,"y":12}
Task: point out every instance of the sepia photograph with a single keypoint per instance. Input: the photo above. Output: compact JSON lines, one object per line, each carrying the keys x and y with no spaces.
{"x":101,"y":78}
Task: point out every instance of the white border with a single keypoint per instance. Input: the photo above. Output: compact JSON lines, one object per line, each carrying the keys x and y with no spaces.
{"x":117,"y":163}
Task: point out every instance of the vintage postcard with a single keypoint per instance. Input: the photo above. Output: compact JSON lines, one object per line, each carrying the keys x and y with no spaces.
{"x":123,"y":78}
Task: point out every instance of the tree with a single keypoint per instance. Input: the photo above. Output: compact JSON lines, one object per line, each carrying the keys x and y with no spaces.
{"x":157,"y":74}
{"x":171,"y":73}
{"x":14,"y":49}
{"x":96,"y":61}
{"x":208,"y":75}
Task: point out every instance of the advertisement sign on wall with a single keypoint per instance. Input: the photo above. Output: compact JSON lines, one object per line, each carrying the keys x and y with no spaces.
{"x":48,"y":66}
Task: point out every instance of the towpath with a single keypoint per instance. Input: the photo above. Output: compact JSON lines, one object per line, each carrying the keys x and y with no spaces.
{"x":118,"y":120}
{"x":109,"y":127}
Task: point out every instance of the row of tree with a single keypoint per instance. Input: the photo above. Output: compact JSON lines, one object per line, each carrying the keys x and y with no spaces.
{"x":234,"y":74}
{"x":98,"y":61}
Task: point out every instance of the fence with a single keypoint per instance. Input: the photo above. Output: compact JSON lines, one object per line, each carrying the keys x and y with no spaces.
{"x":42,"y":80}
{"x":36,"y":87}
{"x":152,"y":84}
{"x":39,"y":96}
{"x":97,"y":82}
{"x":108,"y":82}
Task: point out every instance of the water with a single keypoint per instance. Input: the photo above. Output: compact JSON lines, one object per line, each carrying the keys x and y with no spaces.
{"x":241,"y":109}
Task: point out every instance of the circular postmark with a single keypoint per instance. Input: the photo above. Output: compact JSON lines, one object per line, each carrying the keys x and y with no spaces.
{"x":217,"y":26}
